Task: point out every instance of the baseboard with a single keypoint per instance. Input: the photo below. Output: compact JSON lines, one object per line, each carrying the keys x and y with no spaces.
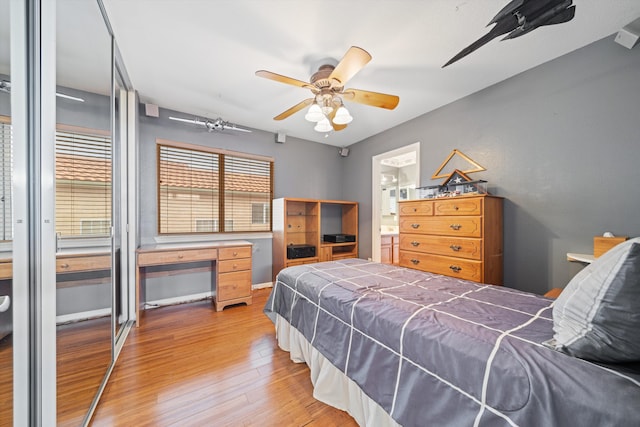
{"x":83,"y":315}
{"x":262,"y":285}
{"x":86,"y":315}
{"x":177,"y":300}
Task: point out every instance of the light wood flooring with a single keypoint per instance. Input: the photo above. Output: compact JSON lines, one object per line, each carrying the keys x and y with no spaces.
{"x":188,"y":365}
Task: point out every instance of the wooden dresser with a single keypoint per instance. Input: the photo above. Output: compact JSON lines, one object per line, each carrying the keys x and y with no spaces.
{"x":459,"y":237}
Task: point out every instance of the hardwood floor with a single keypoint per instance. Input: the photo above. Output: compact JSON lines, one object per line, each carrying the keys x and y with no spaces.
{"x":188,"y":365}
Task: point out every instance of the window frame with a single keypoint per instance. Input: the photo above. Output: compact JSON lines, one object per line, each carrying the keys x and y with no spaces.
{"x":221,"y":219}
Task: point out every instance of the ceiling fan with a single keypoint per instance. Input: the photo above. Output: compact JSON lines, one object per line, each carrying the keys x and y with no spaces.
{"x":212,"y":125}
{"x":5,"y":86}
{"x":327,"y":85}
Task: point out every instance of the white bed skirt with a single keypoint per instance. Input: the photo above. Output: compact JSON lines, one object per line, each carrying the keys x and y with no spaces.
{"x":330,"y":385}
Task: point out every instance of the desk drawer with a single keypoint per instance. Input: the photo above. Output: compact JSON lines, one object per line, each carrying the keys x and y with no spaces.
{"x":83,"y":263}
{"x":230,"y":265}
{"x":6,"y":270}
{"x":233,"y":285}
{"x":233,"y":253}
{"x":176,"y":256}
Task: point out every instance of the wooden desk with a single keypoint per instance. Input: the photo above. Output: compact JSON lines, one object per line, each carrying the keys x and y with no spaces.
{"x":230,"y":260}
{"x":67,"y":262}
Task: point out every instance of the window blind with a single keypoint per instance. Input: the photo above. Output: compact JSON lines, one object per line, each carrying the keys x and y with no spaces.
{"x":83,"y":184}
{"x":201,"y":191}
{"x":6,"y":195}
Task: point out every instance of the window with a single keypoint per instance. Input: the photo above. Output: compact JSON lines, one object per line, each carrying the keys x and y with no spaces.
{"x":259,"y":213}
{"x":83,"y":183}
{"x":6,"y":163}
{"x":203,"y":190}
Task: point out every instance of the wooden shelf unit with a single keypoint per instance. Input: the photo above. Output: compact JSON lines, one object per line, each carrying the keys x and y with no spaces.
{"x":298,"y":221}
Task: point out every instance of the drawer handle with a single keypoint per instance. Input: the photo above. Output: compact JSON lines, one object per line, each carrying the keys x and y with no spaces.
{"x":415,"y":261}
{"x":455,"y":268}
{"x":414,"y":243}
{"x":455,"y":226}
{"x":235,"y":254}
{"x":180,"y":256}
{"x":415,"y":225}
{"x":64,"y":265}
{"x":235,"y":266}
{"x":455,"y":248}
{"x":415,"y":209}
{"x":455,"y":208}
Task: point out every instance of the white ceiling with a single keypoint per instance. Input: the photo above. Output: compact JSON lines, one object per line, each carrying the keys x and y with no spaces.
{"x":199,"y":56}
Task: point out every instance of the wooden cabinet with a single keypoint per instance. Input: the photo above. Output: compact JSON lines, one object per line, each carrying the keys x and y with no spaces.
{"x":299,"y":221}
{"x":459,"y":237}
{"x":390,"y":249}
{"x":234,"y":277}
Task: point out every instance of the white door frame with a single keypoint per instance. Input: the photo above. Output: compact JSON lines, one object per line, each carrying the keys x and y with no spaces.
{"x":376,"y":194}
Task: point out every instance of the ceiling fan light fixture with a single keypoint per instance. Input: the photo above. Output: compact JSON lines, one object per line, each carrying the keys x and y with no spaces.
{"x":342,"y":116}
{"x":314,"y":114}
{"x":323,"y":126}
{"x":327,"y":105}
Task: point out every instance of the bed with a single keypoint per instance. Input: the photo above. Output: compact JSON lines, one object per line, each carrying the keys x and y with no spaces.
{"x":396,"y":346}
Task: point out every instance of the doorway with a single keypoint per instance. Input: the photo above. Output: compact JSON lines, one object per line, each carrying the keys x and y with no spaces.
{"x":395,"y":177}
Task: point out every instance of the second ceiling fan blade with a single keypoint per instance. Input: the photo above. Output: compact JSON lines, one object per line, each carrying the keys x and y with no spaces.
{"x":299,"y":106}
{"x":283,"y":79}
{"x":349,"y":65}
{"x":375,"y":99}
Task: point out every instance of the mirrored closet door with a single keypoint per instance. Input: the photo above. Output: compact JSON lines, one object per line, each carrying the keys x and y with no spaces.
{"x":91,"y":127}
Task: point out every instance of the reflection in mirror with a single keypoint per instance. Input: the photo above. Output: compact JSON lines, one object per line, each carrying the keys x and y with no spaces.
{"x":83,"y":207}
{"x":6,"y":283}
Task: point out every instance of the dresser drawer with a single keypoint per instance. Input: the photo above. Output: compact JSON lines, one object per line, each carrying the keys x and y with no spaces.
{"x":416,"y":208}
{"x":233,"y":285}
{"x":176,"y":256}
{"x":229,"y":265}
{"x":83,"y":263}
{"x":461,"y":226}
{"x":448,"y":266}
{"x":233,"y":253}
{"x":459,"y":206}
{"x":463,"y":247}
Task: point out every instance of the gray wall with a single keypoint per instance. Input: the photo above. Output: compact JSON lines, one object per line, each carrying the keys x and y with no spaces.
{"x":301,"y":169}
{"x":561,"y":144}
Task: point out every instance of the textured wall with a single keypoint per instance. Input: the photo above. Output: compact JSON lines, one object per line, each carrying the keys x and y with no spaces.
{"x":301,"y":169}
{"x":560,"y":142}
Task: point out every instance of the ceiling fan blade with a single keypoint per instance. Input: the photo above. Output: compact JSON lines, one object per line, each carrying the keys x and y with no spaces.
{"x":349,"y":65}
{"x":284,"y":79}
{"x":192,"y":121}
{"x":299,"y":106}
{"x":375,"y":99}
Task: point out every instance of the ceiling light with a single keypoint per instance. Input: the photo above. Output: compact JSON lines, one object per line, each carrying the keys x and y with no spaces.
{"x":323,"y":126}
{"x":342,"y":116}
{"x":315,"y":113}
{"x":327,"y":106}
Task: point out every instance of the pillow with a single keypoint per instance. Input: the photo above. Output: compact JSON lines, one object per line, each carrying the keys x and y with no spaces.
{"x":597,"y":315}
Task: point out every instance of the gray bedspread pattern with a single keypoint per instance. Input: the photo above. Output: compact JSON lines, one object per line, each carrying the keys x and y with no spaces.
{"x":434,"y":350}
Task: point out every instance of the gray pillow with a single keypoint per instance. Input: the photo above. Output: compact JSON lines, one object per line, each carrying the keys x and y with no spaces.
{"x":597,"y":315}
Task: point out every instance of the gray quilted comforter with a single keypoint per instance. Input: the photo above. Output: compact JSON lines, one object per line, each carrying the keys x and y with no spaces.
{"x":438,"y":351}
